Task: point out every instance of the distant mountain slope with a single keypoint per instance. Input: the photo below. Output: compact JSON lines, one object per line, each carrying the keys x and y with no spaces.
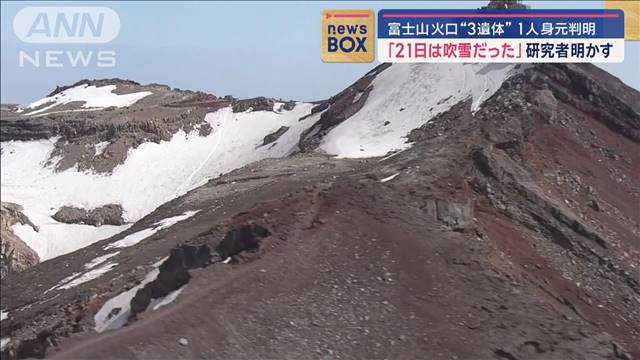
{"x":142,"y":146}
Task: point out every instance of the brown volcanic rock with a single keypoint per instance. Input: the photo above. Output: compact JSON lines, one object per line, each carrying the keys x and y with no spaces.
{"x":274,"y":136}
{"x":485,"y":246}
{"x":110,"y":214}
{"x":254,"y":104}
{"x":15,"y":254}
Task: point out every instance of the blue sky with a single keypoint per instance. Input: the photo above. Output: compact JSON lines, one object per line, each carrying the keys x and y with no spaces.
{"x":241,"y":48}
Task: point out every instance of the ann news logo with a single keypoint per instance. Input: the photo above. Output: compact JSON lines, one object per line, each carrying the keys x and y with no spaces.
{"x":76,"y":27}
{"x":348,"y":35}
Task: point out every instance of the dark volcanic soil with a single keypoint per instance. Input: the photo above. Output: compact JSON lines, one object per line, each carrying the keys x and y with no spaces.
{"x":511,"y":233}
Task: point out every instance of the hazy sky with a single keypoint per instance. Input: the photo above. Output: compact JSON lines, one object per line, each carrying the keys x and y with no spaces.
{"x":241,"y":48}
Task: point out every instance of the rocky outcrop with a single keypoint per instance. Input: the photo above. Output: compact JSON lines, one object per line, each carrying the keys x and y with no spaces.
{"x":26,"y":129}
{"x":110,"y":214}
{"x":15,"y":255}
{"x":528,"y":203}
{"x":457,"y":216}
{"x":595,"y":93}
{"x":255,"y":104}
{"x":260,"y":103}
{"x":174,"y":272}
{"x":289,"y":105}
{"x":241,"y":238}
{"x":93,"y":82}
{"x":200,"y":99}
{"x":274,"y":136}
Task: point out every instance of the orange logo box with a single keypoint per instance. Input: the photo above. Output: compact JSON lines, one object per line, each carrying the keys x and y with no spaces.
{"x":348,"y":35}
{"x":631,"y":10}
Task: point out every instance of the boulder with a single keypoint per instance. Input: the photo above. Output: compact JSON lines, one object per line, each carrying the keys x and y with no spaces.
{"x":110,"y":214}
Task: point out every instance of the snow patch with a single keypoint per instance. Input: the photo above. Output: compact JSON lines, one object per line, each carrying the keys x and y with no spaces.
{"x":75,"y":280}
{"x":91,"y":96}
{"x":138,"y":236}
{"x":405,"y":97}
{"x":100,"y":147}
{"x":4,"y":342}
{"x":3,"y":314}
{"x":115,"y":312}
{"x":168,"y":299}
{"x":394,"y":153}
{"x":237,"y":138}
{"x":389,"y":178}
{"x":99,"y":260}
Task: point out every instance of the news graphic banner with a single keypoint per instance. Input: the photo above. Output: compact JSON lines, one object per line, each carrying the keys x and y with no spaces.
{"x":348,"y":35}
{"x":519,"y":36}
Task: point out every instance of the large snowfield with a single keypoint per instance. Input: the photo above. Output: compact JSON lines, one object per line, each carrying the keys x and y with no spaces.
{"x":90,"y":96}
{"x":406,"y":96}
